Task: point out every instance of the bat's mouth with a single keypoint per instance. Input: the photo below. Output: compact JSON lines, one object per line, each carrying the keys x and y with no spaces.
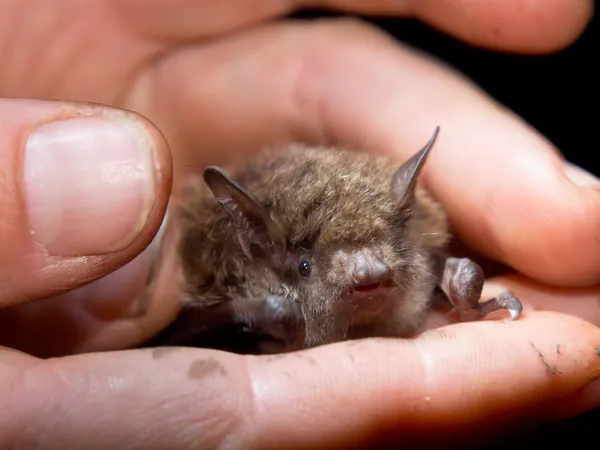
{"x":374,"y":286}
{"x":370,"y":298}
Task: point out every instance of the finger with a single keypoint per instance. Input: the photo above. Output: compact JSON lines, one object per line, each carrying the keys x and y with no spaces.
{"x":523,"y":26}
{"x":143,"y":32}
{"x":83,"y":189}
{"x":506,"y":189}
{"x":468,"y":378}
{"x":121,"y":310}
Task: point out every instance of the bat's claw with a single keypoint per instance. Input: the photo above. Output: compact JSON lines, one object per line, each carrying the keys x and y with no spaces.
{"x":505,"y":300}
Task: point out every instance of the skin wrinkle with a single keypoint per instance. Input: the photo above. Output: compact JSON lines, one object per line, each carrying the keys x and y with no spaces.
{"x":180,"y":400}
{"x":303,"y":100}
{"x":250,"y":415}
{"x":173,"y":406}
{"x":180,"y":25}
{"x":427,"y":368}
{"x":26,"y":384}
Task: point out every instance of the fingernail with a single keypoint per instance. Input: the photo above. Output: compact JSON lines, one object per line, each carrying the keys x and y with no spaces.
{"x":89,"y":184}
{"x":581,"y":177}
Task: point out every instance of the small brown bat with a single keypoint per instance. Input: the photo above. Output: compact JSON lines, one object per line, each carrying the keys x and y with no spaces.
{"x":305,"y":246}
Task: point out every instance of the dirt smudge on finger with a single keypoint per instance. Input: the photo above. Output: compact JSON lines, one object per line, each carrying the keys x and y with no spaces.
{"x":551,"y":369}
{"x":204,"y":367}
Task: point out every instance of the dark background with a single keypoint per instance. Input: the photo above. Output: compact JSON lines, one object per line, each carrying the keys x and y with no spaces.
{"x":558,"y":94}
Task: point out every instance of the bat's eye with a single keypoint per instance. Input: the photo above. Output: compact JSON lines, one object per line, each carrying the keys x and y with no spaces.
{"x":304,"y":268}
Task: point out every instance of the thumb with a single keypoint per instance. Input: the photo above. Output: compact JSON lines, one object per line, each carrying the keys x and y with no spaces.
{"x":83,"y":189}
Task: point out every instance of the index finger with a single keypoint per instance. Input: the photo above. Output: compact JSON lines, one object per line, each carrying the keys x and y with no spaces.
{"x":513,"y":25}
{"x":456,"y":384}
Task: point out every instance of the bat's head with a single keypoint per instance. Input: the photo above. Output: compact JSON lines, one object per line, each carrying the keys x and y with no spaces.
{"x":343,"y":234}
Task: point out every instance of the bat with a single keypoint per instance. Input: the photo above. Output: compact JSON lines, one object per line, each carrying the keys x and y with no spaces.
{"x":300,"y":246}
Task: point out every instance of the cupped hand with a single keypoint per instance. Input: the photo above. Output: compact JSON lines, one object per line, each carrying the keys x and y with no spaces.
{"x":84,"y":188}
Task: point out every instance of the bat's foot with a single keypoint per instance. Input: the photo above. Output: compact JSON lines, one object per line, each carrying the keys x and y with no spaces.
{"x":463,"y":282}
{"x":505,"y":300}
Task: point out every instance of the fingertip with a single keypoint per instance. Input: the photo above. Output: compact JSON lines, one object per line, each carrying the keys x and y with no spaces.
{"x":549,"y":228}
{"x":530,"y":26}
{"x":85,"y":187}
{"x":510,"y":196}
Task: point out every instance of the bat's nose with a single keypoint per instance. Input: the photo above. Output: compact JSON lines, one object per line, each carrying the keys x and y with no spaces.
{"x":369,"y":270}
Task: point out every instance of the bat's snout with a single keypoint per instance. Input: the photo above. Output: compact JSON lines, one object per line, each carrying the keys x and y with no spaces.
{"x":365,"y":269}
{"x":369,"y":271}
{"x":369,"y":280}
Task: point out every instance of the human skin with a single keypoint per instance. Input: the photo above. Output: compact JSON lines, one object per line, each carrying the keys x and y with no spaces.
{"x":216,"y":79}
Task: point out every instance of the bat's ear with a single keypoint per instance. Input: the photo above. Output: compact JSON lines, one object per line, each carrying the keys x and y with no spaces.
{"x":254,"y":226}
{"x":404,"y":179}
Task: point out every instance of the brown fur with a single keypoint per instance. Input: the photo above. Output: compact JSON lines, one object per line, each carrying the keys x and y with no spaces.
{"x":323,"y":199}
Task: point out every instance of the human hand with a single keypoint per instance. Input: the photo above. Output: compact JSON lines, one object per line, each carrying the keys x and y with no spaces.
{"x":334,"y":81}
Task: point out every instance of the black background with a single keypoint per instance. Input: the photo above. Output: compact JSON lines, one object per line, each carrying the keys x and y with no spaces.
{"x":558,"y":95}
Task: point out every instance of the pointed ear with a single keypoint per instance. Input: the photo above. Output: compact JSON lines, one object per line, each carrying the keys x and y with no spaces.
{"x":404,"y":180}
{"x":254,"y":226}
